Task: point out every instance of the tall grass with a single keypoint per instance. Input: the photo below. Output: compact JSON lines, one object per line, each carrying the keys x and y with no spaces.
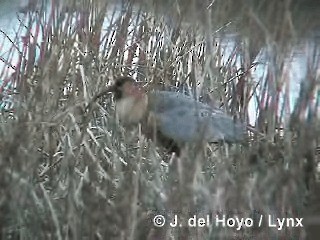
{"x":71,"y":172}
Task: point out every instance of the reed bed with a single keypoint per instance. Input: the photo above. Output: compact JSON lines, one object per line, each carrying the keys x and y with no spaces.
{"x":69,"y":171}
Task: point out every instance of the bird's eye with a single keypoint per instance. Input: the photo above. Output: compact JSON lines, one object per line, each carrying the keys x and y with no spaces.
{"x":119,"y":83}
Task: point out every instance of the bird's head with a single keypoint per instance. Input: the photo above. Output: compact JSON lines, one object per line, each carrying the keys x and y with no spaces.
{"x":130,"y":98}
{"x":125,"y":87}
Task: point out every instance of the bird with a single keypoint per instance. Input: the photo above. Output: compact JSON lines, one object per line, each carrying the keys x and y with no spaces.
{"x":172,"y":119}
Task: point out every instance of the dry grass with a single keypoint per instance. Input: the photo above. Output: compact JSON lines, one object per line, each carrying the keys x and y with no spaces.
{"x":67,"y":172}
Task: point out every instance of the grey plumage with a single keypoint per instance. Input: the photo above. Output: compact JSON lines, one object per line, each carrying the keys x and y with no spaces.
{"x":172,"y":118}
{"x":184,"y":119}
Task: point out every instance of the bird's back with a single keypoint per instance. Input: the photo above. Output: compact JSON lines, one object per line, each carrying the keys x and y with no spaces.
{"x":183,"y":119}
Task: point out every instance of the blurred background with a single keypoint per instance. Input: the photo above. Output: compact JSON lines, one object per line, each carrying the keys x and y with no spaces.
{"x":70,"y":171}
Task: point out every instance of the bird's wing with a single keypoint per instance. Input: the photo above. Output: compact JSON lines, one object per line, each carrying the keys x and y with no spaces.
{"x":223,"y":127}
{"x":184,"y":119}
{"x":165,"y":100}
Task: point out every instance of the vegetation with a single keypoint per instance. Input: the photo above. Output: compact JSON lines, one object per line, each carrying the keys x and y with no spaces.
{"x":69,"y":171}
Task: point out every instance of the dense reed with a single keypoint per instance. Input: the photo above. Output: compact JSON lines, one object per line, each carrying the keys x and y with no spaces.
{"x":71,"y":172}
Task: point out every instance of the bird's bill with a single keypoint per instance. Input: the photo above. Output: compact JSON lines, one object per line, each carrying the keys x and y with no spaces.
{"x":109,"y":89}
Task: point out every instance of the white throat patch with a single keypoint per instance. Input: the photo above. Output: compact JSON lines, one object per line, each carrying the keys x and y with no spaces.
{"x":131,"y":110}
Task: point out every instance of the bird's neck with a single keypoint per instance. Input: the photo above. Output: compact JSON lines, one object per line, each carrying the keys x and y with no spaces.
{"x":132,"y":109}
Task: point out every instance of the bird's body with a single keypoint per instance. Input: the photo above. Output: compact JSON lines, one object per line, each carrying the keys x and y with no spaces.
{"x":186,"y":120}
{"x":171,"y":118}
